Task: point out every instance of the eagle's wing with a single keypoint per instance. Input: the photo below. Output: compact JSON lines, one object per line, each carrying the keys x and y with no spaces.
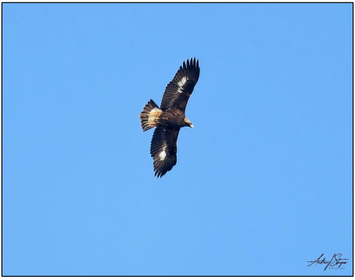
{"x":163,"y":149}
{"x":178,"y":91}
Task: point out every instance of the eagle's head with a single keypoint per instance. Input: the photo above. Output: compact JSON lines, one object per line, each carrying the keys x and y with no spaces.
{"x":188,"y":123}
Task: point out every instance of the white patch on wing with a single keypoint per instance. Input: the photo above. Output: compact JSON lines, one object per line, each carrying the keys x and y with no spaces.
{"x":162,"y":154}
{"x":182,"y":82}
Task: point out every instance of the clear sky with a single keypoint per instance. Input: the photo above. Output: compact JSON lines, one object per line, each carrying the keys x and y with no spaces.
{"x":263,"y":182}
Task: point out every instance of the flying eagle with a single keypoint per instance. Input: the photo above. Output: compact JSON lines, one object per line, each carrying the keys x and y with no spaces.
{"x":170,"y":117}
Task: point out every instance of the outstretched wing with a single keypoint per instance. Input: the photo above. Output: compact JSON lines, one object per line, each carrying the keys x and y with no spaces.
{"x":178,"y":91}
{"x":163,"y":149}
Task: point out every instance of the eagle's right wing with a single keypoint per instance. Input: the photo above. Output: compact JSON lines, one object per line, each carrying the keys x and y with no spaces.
{"x":178,"y":91}
{"x":163,"y":149}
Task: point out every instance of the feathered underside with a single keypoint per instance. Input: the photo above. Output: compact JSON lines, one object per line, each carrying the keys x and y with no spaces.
{"x":170,"y":117}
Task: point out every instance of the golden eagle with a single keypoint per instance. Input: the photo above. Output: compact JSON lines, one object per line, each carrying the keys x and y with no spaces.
{"x":170,"y":117}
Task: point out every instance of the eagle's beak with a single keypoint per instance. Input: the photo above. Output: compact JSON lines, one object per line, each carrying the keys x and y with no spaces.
{"x":188,"y":123}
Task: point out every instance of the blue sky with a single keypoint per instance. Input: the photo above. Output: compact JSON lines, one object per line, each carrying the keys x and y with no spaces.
{"x":263,"y":182}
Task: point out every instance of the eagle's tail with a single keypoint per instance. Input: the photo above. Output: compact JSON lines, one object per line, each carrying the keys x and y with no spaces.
{"x":150,"y":115}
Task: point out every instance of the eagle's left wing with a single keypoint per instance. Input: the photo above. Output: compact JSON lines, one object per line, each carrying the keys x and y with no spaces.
{"x":163,"y":149}
{"x":178,"y":91}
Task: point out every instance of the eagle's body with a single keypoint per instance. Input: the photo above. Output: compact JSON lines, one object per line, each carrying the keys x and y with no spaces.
{"x":170,"y":117}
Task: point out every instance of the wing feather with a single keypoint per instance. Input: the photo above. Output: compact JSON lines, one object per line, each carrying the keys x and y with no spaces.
{"x":163,"y":149}
{"x":178,"y":91}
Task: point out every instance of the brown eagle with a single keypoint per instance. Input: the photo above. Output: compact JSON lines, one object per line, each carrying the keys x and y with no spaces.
{"x":170,"y":117}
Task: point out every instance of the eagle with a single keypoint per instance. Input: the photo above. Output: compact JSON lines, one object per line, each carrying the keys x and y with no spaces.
{"x":170,"y":116}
